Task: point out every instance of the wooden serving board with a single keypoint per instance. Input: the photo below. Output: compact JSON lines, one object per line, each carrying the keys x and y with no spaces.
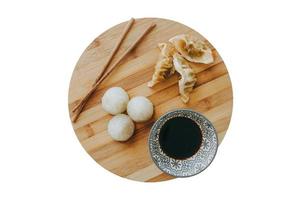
{"x":212,"y":96}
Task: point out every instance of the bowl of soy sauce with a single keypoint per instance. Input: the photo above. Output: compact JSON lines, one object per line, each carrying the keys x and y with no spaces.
{"x":183,"y":143}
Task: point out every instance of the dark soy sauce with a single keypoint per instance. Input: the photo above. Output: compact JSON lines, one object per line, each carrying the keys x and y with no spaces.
{"x":180,"y":138}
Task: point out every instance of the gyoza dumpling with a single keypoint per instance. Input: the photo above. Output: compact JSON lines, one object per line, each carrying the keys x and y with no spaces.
{"x":164,"y":66}
{"x":193,"y":50}
{"x":188,"y":77}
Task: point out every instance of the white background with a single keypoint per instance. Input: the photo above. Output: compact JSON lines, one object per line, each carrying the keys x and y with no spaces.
{"x":40,"y":42}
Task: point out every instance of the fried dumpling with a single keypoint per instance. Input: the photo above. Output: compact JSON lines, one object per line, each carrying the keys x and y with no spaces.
{"x":188,"y":77}
{"x":164,"y":67}
{"x":191,"y":49}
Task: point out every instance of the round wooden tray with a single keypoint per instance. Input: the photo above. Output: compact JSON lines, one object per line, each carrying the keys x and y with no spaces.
{"x":212,"y":96}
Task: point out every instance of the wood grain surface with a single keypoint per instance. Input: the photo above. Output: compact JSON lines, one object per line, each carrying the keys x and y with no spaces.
{"x":212,"y":96}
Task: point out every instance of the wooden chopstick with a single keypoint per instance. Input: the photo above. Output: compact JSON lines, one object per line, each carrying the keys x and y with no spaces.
{"x":83,"y":102}
{"x":135,"y":43}
{"x":112,"y":54}
{"x":116,"y":48}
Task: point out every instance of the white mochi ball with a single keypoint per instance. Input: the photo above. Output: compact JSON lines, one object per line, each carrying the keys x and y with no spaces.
{"x":114,"y":100}
{"x":120,"y":127}
{"x":140,"y":109}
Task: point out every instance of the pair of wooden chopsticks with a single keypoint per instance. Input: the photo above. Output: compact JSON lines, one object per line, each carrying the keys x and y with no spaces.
{"x":107,"y":70}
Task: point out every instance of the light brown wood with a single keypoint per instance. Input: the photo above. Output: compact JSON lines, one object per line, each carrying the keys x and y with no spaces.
{"x":83,"y":102}
{"x":116,"y":48}
{"x":110,"y":57}
{"x":212,"y":96}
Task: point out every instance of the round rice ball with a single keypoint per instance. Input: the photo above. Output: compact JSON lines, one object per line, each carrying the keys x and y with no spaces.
{"x":120,"y":127}
{"x":114,"y":100}
{"x":140,"y":109}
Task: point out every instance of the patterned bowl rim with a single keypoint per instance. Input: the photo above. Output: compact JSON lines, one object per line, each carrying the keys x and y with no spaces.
{"x":201,"y":126}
